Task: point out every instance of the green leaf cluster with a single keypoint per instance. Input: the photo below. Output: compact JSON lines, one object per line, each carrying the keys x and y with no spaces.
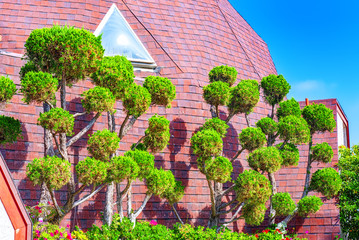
{"x":319,"y":118}
{"x":157,"y":134}
{"x":267,"y":125}
{"x":219,"y":170}
{"x":161,"y":89}
{"x":10,"y":129}
{"x":254,"y":213}
{"x":38,"y":87}
{"x":174,"y":193}
{"x":28,"y":67}
{"x":244,"y":97}
{"x":144,"y":160}
{"x":224,"y":74}
{"x":136,"y":100}
{"x":7,"y":89}
{"x":289,"y":154}
{"x":289,"y":107}
{"x":206,"y":143}
{"x":53,"y":171}
{"x":102,"y":144}
{"x":92,"y":171}
{"x":216,"y":124}
{"x":252,"y":138}
{"x":327,"y":181}
{"x":266,"y":159}
{"x":57,"y":120}
{"x":216,"y":93}
{"x":69,"y":53}
{"x":283,"y":204}
{"x":308,"y":205}
{"x":160,"y":181}
{"x":275,"y":88}
{"x":322,"y":152}
{"x":116,"y":74}
{"x":294,"y":129}
{"x":98,"y":99}
{"x":122,"y":168}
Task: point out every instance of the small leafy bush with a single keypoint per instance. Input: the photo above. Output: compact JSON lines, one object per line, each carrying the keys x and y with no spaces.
{"x":294,"y":129}
{"x":136,"y":100}
{"x":216,"y":124}
{"x":122,"y":168}
{"x":319,"y":118}
{"x":289,"y":154}
{"x":98,"y":99}
{"x":91,"y":171}
{"x":252,"y":138}
{"x":308,"y":205}
{"x":224,"y":74}
{"x":206,"y":143}
{"x":144,"y":160}
{"x":57,"y":120}
{"x":7,"y":89}
{"x":266,"y":159}
{"x":244,"y":97}
{"x":216,"y":93}
{"x":322,"y":152}
{"x":159,"y":181}
{"x":10,"y":129}
{"x":174,"y":193}
{"x":219,"y":170}
{"x":254,"y":213}
{"x":161,"y":89}
{"x":283,"y":204}
{"x":157,"y":134}
{"x":102,"y":144}
{"x":289,"y":107}
{"x":327,"y":181}
{"x":275,"y":88}
{"x":267,"y":125}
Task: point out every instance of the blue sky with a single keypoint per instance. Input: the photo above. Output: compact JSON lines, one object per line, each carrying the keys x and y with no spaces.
{"x":314,"y":45}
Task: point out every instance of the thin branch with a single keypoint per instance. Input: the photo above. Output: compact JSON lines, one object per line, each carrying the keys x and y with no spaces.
{"x":309,"y":167}
{"x":212,"y":109}
{"x":176,"y":213}
{"x":229,"y":117}
{"x":48,"y":102}
{"x":58,"y":146}
{"x":212,"y":197}
{"x":247,"y":119}
{"x":79,"y":114}
{"x":283,"y":144}
{"x":140,"y":209}
{"x":224,"y":205}
{"x":80,"y":189}
{"x":230,"y":210}
{"x":88,"y":196}
{"x":238,"y":153}
{"x":225,"y":192}
{"x":138,"y":142}
{"x":58,"y":210}
{"x":120,"y":133}
{"x":217,"y":111}
{"x":233,"y":218}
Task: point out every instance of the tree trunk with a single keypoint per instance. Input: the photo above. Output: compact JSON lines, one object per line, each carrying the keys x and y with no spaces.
{"x":272,"y":212}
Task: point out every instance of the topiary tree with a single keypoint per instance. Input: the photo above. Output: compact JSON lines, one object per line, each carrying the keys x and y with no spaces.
{"x":7,"y":90}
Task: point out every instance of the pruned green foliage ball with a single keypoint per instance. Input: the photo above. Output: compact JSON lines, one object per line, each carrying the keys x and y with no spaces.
{"x":289,"y":154}
{"x":10,"y":129}
{"x":223,"y":74}
{"x":98,"y":99}
{"x":206,"y":143}
{"x":57,"y":120}
{"x":289,"y":107}
{"x":144,"y":160}
{"x":244,"y":97}
{"x":266,"y":159}
{"x":327,"y":181}
{"x":254,"y":213}
{"x":252,"y":187}
{"x":322,"y":152}
{"x":267,"y":125}
{"x":252,"y":138}
{"x":219,"y":170}
{"x":203,"y":161}
{"x":161,"y":89}
{"x":174,"y":193}
{"x":137,"y":100}
{"x":69,"y":53}
{"x":7,"y":89}
{"x":216,"y":93}
{"x":123,"y":168}
{"x":319,"y":118}
{"x":53,"y":171}
{"x":308,"y":205}
{"x":159,"y":181}
{"x":92,"y":171}
{"x":283,"y":204}
{"x":275,"y":88}
{"x":28,"y":67}
{"x":216,"y":124}
{"x":157,"y":134}
{"x":116,"y":74}
{"x":102,"y":144}
{"x":294,"y":129}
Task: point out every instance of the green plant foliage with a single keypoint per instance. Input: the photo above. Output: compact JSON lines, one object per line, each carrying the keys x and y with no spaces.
{"x":216,"y":93}
{"x":283,"y":204}
{"x":57,"y":120}
{"x":102,"y":144}
{"x":349,"y":193}
{"x":38,"y":87}
{"x":327,"y":181}
{"x":223,"y":74}
{"x":10,"y":129}
{"x":216,"y":124}
{"x":267,"y":125}
{"x":275,"y":88}
{"x":252,"y":187}
{"x":266,"y":159}
{"x":161,"y":89}
{"x":308,"y":205}
{"x":322,"y":152}
{"x":206,"y":143}
{"x":289,"y":154}
{"x":91,"y":171}
{"x":254,"y":213}
{"x":98,"y":99}
{"x":219,"y":170}
{"x":244,"y":97}
{"x":203,"y":161}
{"x":53,"y":171}
{"x":144,"y":160}
{"x":159,"y":181}
{"x":319,"y":118}
{"x":294,"y":129}
{"x":289,"y":107}
{"x":137,"y":100}
{"x":69,"y":53}
{"x":252,"y":138}
{"x":138,"y":146}
{"x":28,"y":67}
{"x":174,"y":193}
{"x":157,"y":134}
{"x":7,"y":89}
{"x":122,"y":168}
{"x":116,"y":74}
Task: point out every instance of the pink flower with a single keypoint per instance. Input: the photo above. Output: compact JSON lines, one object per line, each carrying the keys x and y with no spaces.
{"x":36,"y":239}
{"x":37,"y":231}
{"x":153,"y":223}
{"x":40,"y":220}
{"x":56,"y":231}
{"x":68,"y":225}
{"x":52,"y":234}
{"x":306,"y":232}
{"x":61,"y":234}
{"x":48,"y":202}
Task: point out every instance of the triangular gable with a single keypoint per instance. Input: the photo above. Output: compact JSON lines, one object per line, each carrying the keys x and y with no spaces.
{"x":118,"y":38}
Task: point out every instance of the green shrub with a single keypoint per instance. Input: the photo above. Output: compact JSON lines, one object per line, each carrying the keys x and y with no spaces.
{"x":161,"y":89}
{"x":10,"y":129}
{"x":57,"y":120}
{"x":294,"y":129}
{"x":122,"y":168}
{"x":266,"y":159}
{"x":98,"y":99}
{"x":216,"y":93}
{"x":144,"y":160}
{"x":216,"y":124}
{"x":322,"y":152}
{"x":224,"y":74}
{"x":102,"y":144}
{"x":289,"y":107}
{"x":49,"y":231}
{"x":319,"y":118}
{"x":136,"y":100}
{"x":252,"y":138}
{"x":91,"y":171}
{"x":206,"y":143}
{"x":159,"y":181}
{"x":254,"y":213}
{"x":7,"y":89}
{"x":275,"y":88}
{"x":244,"y":97}
{"x":283,"y":204}
{"x":267,"y":125}
{"x":174,"y":193}
{"x":157,"y":134}
{"x":28,"y":67}
{"x":289,"y":154}
{"x":327,"y":181}
{"x":308,"y":205}
{"x":219,"y":170}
